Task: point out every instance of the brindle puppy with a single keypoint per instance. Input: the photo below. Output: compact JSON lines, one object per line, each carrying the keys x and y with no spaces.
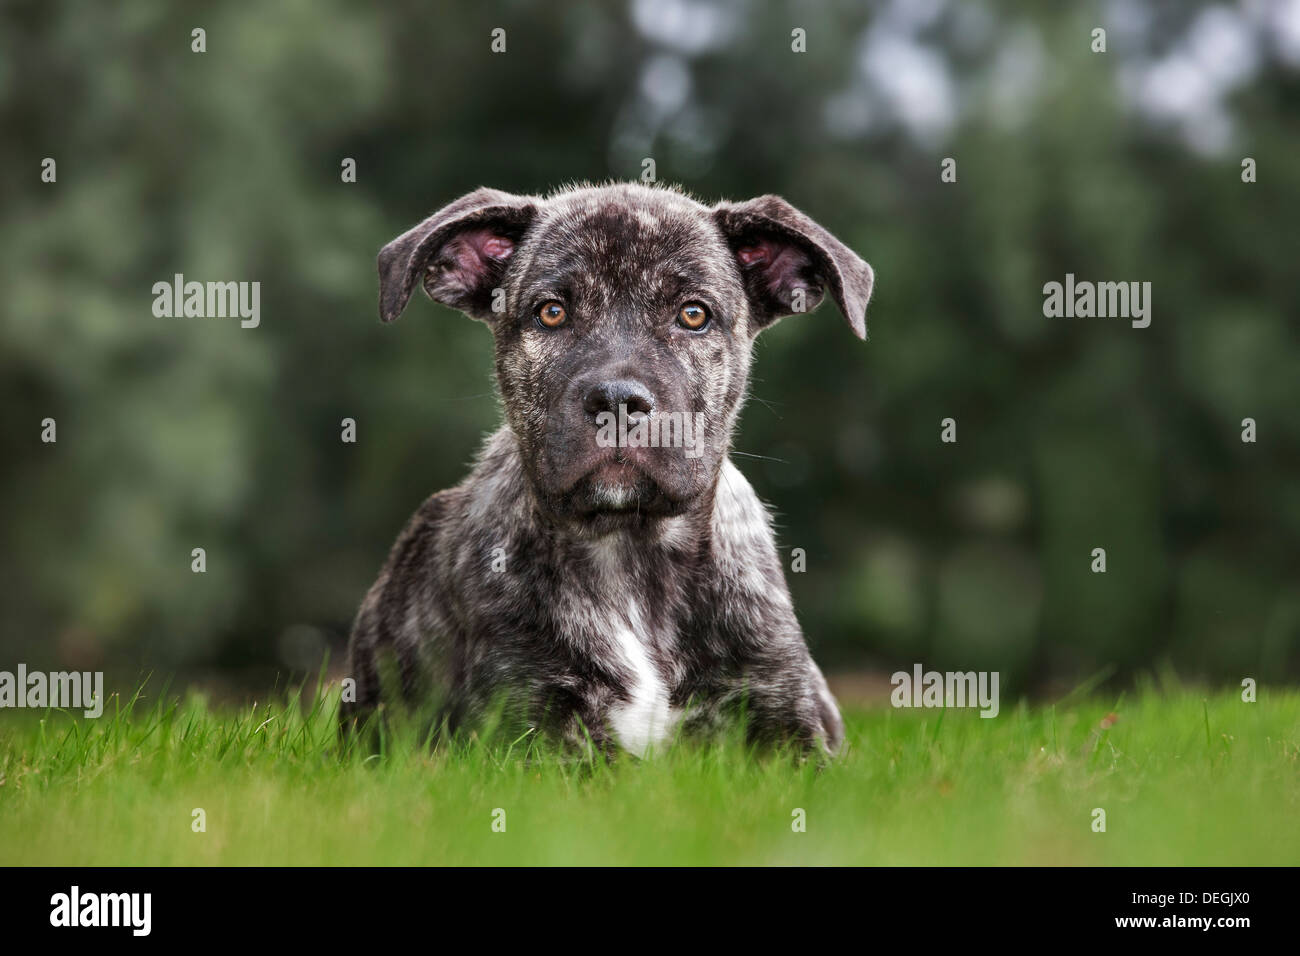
{"x":605,"y":588}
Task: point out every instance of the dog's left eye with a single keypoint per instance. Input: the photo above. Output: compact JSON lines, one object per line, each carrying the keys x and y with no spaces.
{"x":693,"y":316}
{"x":551,"y":314}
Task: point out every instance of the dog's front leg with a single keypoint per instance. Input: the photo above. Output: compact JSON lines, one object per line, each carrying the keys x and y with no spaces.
{"x":785,"y":700}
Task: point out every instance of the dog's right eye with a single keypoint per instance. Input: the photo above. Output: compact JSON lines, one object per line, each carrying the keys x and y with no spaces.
{"x":693,"y":316}
{"x":551,"y":314}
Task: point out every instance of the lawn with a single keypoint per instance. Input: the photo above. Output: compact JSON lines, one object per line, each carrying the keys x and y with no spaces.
{"x":1183,"y":778}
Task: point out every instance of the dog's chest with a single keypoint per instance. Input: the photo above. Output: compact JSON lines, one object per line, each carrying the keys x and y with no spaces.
{"x":624,"y":630}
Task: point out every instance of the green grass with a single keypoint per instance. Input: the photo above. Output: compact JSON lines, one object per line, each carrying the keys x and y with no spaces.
{"x":1183,"y":780}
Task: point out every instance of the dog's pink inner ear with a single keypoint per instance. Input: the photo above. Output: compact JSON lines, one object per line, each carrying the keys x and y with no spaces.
{"x":781,"y":267}
{"x":470,"y":256}
{"x":498,"y":247}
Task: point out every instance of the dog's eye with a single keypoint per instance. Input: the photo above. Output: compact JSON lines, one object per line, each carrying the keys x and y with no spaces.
{"x":551,"y":314}
{"x":693,"y":316}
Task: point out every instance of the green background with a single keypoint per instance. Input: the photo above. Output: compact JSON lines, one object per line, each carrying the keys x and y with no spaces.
{"x":1073,"y":433}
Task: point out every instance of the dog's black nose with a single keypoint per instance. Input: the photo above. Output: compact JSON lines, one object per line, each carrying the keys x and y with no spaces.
{"x":608,"y":396}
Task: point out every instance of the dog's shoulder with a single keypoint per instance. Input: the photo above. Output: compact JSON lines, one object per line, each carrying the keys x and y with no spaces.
{"x":742,"y":525}
{"x":749,"y":572}
{"x":406,"y":572}
{"x":448,"y":526}
{"x":496,"y":489}
{"x":450,"y":538}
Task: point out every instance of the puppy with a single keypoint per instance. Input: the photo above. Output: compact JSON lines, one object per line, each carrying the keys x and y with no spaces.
{"x":605,"y":570}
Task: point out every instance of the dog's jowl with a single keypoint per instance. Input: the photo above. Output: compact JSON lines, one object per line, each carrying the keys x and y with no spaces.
{"x":605,"y":572}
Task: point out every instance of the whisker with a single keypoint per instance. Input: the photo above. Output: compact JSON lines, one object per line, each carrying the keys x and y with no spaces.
{"x":465,"y":398}
{"x":745,"y":454}
{"x":770,"y":406}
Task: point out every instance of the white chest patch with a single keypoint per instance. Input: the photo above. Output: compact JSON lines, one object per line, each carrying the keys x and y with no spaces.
{"x":646,"y":718}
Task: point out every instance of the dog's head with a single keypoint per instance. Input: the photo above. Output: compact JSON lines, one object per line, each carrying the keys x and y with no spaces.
{"x":624,"y":318}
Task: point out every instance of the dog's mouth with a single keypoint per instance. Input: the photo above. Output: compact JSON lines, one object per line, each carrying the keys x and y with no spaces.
{"x":620,"y":487}
{"x":617,"y":486}
{"x":615,"y":490}
{"x":594,"y":486}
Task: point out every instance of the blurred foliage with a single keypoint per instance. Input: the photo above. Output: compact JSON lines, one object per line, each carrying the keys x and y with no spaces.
{"x":1073,"y":433}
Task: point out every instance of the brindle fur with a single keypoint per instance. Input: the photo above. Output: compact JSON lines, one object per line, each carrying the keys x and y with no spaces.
{"x":522,"y":581}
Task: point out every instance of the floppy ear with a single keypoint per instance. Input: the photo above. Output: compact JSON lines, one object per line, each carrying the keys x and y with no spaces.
{"x":461,"y":252}
{"x":780,"y":251}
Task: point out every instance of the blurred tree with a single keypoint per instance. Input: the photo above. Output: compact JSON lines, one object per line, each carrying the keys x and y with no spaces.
{"x":1072,"y":433}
